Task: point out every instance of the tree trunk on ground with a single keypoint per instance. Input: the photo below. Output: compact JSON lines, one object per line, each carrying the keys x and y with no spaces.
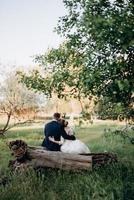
{"x":38,"y":157}
{"x":53,"y":159}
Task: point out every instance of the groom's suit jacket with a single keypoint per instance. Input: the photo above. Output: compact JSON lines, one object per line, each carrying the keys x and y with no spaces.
{"x":54,"y":129}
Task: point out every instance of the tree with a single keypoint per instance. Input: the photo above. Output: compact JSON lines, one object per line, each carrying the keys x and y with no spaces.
{"x":15,"y":99}
{"x":97,"y":57}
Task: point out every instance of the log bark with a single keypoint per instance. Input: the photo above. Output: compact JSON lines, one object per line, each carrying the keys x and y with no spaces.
{"x":53,"y":159}
{"x":37,"y":157}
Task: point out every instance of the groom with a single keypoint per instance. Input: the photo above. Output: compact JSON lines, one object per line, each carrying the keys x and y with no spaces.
{"x":55,"y":130}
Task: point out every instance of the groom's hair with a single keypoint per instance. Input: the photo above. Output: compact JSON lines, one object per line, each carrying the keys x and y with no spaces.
{"x":56,"y":116}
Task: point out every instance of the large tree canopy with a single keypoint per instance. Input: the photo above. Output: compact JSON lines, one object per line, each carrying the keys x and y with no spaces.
{"x":97,"y":57}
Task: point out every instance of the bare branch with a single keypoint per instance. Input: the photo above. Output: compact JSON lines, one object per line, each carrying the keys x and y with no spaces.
{"x":5,"y":129}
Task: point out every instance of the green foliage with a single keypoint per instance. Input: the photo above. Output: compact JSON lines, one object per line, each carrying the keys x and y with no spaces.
{"x":124,"y":134}
{"x":97,"y":57}
{"x":61,"y":68}
{"x":109,"y":110}
{"x":103,"y":32}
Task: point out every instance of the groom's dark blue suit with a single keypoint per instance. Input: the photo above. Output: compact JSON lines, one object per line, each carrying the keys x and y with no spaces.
{"x":54,"y":129}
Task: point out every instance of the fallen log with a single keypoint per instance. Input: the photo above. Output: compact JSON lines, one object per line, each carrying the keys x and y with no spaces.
{"x":38,"y":157}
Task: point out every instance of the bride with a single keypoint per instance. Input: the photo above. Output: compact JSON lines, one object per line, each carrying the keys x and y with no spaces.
{"x":70,"y":146}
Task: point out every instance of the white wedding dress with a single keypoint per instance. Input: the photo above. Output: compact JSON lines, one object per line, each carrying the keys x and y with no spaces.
{"x":73,"y":146}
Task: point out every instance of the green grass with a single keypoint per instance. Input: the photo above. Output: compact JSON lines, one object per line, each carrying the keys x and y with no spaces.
{"x":108,"y":183}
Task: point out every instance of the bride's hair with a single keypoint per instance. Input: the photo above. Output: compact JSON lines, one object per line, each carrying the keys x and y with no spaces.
{"x":64,"y":123}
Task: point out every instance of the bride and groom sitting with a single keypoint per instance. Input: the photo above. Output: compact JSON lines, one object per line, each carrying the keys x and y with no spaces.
{"x":57,"y":129}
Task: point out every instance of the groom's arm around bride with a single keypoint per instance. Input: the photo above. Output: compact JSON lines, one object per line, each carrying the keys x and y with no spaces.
{"x":54,"y":129}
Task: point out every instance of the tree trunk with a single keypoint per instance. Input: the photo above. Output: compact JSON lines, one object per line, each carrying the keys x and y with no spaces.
{"x":5,"y":128}
{"x":53,"y":159}
{"x":38,"y":157}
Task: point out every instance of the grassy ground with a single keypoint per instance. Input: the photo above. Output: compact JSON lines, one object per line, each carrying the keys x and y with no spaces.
{"x":108,"y":183}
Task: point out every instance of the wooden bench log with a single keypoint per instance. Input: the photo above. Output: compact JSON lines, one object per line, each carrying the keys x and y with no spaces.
{"x":38,"y":157}
{"x":53,"y":159}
